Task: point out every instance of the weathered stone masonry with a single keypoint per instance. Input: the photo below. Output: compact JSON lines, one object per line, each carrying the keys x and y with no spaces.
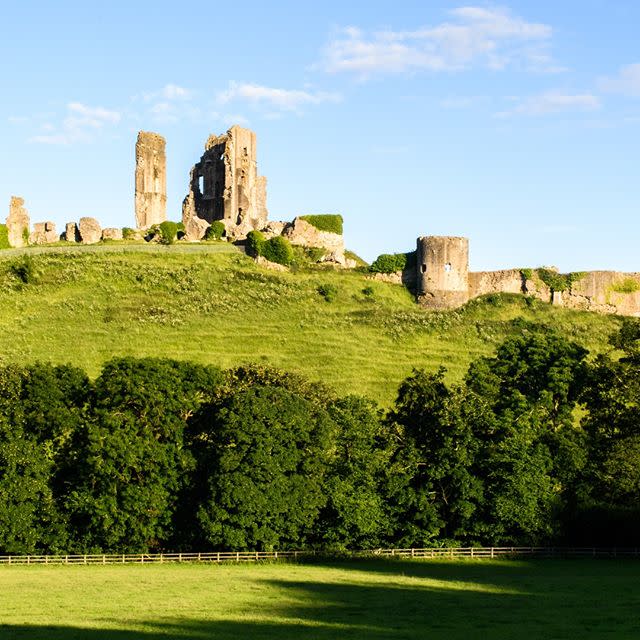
{"x":151,"y":180}
{"x":443,"y":281}
{"x":225,"y":185}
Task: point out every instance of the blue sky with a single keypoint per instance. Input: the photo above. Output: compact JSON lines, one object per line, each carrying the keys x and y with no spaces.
{"x":514,"y":124}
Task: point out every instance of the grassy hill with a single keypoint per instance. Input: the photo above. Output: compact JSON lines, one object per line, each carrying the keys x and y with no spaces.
{"x":212,"y":304}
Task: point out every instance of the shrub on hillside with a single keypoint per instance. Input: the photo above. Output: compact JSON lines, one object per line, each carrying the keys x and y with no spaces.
{"x":255,"y":243}
{"x":328,"y":291}
{"x":326,"y":222}
{"x":216,"y":231}
{"x":168,"y":232}
{"x":4,"y":237}
{"x":278,"y":249}
{"x":24,"y":269}
{"x":392,"y":262}
{"x":128,"y":233}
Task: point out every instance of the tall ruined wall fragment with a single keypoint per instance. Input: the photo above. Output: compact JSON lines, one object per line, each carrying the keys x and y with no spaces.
{"x":151,"y":180}
{"x":224,"y":185}
{"x":18,"y":223}
{"x":442,"y":271}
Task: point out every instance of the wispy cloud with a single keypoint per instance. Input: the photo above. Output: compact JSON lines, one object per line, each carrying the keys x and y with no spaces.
{"x":170,"y":92}
{"x":552,"y":102}
{"x":473,"y":37}
{"x":274,"y":98}
{"x":79,"y":125}
{"x":626,"y":81}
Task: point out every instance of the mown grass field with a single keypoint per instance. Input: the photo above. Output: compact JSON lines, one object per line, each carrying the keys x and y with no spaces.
{"x":212,"y":304}
{"x":373,"y":599}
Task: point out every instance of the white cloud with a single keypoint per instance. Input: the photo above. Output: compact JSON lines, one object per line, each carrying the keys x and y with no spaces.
{"x":553,"y":102}
{"x":171,"y":92}
{"x":17,"y":119}
{"x":474,"y":37}
{"x":282,"y":99}
{"x":174,"y":92}
{"x":626,"y":81}
{"x":80,"y":125}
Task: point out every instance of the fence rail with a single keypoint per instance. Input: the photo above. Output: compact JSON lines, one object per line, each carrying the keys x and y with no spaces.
{"x":257,"y":556}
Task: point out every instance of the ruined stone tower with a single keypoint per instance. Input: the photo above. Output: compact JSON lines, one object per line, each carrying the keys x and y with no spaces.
{"x":225,"y":185}
{"x":442,"y":264}
{"x":151,"y":180}
{"x":18,"y":223}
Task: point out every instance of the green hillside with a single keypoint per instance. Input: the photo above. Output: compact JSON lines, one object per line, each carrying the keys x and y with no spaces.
{"x":212,"y":304}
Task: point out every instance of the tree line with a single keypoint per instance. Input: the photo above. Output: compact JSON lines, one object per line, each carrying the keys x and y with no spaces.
{"x":539,"y":444}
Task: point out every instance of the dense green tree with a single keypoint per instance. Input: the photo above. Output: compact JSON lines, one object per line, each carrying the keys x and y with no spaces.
{"x":131,"y":460}
{"x":40,"y":409}
{"x":263,"y":453}
{"x":355,"y":514}
{"x":432,"y":490}
{"x":531,"y":449}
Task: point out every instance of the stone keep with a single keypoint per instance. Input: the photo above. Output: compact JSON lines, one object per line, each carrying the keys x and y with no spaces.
{"x":442,"y":271}
{"x":225,"y":185}
{"x":17,"y":223}
{"x":151,"y":180}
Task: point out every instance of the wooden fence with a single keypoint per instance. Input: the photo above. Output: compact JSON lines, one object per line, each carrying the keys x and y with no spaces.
{"x":257,"y":556}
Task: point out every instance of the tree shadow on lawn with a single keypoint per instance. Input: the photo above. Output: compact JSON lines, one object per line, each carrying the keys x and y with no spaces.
{"x":468,"y":601}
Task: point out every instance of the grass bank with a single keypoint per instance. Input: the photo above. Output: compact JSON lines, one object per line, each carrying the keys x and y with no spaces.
{"x":212,"y":304}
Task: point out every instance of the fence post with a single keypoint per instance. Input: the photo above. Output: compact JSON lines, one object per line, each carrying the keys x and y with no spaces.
{"x":413,"y":552}
{"x":492,"y":552}
{"x":237,"y":556}
{"x":85,"y":558}
{"x":472,"y":552}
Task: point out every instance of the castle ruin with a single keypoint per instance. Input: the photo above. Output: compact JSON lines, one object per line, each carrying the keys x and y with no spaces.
{"x":18,"y":223}
{"x":442,"y":274}
{"x":151,"y":180}
{"x":443,"y":281}
{"x":225,"y":185}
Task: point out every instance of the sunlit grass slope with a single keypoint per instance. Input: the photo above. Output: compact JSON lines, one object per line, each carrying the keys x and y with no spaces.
{"x":212,"y":304}
{"x":372,"y":600}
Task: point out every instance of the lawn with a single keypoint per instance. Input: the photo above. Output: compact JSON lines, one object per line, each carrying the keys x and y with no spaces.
{"x":211,"y":304}
{"x":371,"y":599}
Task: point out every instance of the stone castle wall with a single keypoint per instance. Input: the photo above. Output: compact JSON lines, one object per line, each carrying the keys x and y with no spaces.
{"x":441,"y":274}
{"x":225,"y":185}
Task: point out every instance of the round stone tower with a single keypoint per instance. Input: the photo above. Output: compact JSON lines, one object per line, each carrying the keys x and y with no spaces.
{"x":442,"y":264}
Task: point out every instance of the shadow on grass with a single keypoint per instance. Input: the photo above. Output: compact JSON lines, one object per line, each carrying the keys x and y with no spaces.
{"x":403,"y":600}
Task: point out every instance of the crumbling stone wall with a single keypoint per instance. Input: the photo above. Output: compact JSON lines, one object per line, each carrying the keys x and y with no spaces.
{"x":442,"y":271}
{"x":17,"y":223}
{"x":303,"y":234}
{"x":224,"y":185}
{"x":443,"y":281}
{"x":151,"y":180}
{"x":44,"y":233}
